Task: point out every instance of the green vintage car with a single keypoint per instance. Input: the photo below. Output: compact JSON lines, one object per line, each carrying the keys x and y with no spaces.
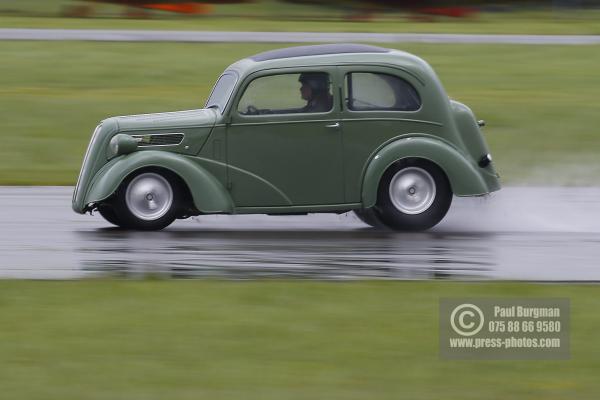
{"x":309,"y":129}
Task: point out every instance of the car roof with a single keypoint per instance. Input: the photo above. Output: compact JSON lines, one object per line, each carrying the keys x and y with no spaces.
{"x":317,"y":50}
{"x":331,"y":54}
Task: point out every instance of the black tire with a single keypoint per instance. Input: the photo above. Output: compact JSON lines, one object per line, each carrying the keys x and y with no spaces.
{"x":133,"y":206}
{"x":413,"y":206}
{"x":369,"y":216}
{"x":108,"y":213}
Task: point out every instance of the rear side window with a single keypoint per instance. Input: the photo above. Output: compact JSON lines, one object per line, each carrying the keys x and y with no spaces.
{"x":369,"y":91}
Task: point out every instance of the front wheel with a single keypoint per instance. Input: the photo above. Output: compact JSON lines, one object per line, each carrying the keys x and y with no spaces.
{"x":108,"y":213}
{"x":147,"y":201}
{"x":413,"y":196}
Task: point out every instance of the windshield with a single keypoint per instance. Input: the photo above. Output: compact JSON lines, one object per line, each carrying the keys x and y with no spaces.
{"x":222,"y":91}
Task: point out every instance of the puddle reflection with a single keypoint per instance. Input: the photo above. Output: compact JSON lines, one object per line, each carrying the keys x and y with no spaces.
{"x":495,"y":238}
{"x":305,"y":254}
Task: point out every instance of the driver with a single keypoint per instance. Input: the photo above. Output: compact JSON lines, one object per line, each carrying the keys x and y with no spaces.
{"x":315,"y":90}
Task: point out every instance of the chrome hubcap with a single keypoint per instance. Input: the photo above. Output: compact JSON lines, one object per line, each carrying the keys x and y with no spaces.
{"x":149,"y":196}
{"x":412,"y":190}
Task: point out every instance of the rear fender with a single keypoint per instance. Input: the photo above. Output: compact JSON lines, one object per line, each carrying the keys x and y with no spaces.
{"x":464,"y":177}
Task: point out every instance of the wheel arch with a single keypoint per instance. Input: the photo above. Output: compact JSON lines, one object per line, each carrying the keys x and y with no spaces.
{"x":462,"y":174}
{"x":207,"y":193}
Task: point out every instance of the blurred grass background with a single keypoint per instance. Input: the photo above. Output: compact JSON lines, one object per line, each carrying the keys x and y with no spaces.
{"x":269,"y":340}
{"x":579,"y":23}
{"x":540,"y":102}
{"x":273,"y":15}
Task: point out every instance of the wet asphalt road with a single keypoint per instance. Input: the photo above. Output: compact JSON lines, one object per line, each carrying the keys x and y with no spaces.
{"x":131,"y":35}
{"x":518,"y":233}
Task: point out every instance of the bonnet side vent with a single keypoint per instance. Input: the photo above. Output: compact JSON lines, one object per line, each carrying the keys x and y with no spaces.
{"x":159,"y":139}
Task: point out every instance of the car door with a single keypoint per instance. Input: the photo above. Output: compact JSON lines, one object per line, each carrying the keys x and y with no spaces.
{"x":280,"y":152}
{"x":379,"y":103}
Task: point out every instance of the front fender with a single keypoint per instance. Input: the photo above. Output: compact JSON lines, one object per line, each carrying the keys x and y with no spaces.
{"x":466,"y":178}
{"x":208,"y":193}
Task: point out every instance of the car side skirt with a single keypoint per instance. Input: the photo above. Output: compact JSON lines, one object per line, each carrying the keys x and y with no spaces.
{"x":299,"y":209}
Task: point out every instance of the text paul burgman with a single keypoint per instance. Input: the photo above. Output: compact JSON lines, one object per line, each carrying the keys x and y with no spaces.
{"x":526,"y":312}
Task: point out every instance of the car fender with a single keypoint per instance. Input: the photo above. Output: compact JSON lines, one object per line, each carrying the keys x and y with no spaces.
{"x":465,"y":179}
{"x":207,"y":192}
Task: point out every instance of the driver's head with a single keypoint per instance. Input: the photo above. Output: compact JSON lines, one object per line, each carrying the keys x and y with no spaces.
{"x":313,"y":84}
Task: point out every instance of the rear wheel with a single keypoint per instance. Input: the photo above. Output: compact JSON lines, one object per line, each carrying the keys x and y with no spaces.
{"x":148,"y":201}
{"x":413,"y":196}
{"x":369,"y":216}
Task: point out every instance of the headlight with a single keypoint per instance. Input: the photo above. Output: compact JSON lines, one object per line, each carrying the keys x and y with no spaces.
{"x":122,"y":144}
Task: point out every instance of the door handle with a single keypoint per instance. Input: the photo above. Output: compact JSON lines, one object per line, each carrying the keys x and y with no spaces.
{"x":336,"y":125}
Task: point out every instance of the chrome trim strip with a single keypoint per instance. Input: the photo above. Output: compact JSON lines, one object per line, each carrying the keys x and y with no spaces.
{"x":419,"y":121}
{"x":340,"y":119}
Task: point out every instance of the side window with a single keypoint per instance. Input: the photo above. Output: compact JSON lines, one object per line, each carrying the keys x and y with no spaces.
{"x":222,"y":91}
{"x":368,"y":91}
{"x":308,"y":92}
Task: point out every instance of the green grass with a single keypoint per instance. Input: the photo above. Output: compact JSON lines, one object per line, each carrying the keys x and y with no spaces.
{"x":540,"y":102}
{"x":271,"y":15}
{"x":485,"y":24}
{"x":269,"y":340}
